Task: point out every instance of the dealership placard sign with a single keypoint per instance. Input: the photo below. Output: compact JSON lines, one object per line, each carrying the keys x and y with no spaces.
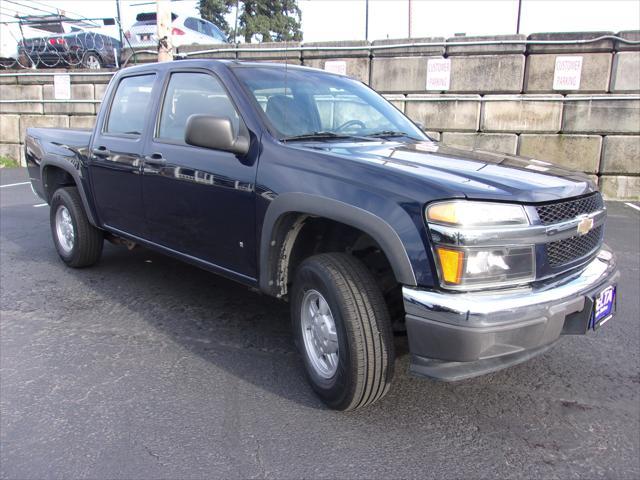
{"x":62,"y":87}
{"x":438,"y":74}
{"x":336,"y":66}
{"x":566,"y":75}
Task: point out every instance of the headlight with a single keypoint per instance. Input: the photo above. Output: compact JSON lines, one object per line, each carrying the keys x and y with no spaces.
{"x":465,"y":213}
{"x":475,"y":267}
{"x":467,"y":267}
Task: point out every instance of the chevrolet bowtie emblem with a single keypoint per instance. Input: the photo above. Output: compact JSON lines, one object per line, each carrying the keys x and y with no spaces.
{"x":585,"y":226}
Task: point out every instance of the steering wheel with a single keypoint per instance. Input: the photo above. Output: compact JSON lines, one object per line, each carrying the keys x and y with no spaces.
{"x":350,"y":123}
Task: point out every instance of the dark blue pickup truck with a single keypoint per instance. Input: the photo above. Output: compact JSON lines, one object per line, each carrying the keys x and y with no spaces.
{"x":312,"y":188}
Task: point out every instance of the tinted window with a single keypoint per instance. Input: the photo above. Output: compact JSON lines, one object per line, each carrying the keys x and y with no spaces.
{"x":300,"y":102}
{"x":130,"y":105}
{"x":338,"y":108}
{"x":191,"y":23}
{"x":212,"y":31}
{"x":190,"y":93}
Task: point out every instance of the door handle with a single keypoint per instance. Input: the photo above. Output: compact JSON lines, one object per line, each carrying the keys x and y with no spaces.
{"x":101,"y":152}
{"x":155,"y":159}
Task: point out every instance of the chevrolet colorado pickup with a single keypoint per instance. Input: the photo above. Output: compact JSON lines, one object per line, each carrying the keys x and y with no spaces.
{"x":311,"y":187}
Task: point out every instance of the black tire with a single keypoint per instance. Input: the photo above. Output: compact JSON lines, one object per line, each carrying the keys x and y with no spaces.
{"x":365,"y":339}
{"x":92,"y":61}
{"x":88,"y":240}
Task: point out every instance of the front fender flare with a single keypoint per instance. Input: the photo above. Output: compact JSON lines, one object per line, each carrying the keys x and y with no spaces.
{"x":313,"y":205}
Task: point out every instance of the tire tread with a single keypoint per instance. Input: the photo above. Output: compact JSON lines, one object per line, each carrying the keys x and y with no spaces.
{"x":364,"y":303}
{"x":89,"y":239}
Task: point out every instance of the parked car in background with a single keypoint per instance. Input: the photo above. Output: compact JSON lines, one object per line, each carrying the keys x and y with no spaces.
{"x":71,"y":44}
{"x":11,"y":33}
{"x":184,"y":31}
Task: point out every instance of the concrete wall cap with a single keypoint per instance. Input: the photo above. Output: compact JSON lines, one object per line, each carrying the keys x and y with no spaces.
{"x":485,"y":49}
{"x":431,"y":50}
{"x":605,"y":45}
{"x":318,"y":51}
{"x":633,"y":35}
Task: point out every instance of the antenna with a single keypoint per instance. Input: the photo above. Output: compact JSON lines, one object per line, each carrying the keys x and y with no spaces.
{"x":286,"y":63}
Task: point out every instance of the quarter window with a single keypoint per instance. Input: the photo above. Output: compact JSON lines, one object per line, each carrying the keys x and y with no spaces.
{"x":191,"y":93}
{"x":130,"y":105}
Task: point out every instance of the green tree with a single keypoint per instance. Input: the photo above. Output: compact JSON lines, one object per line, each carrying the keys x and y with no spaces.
{"x":262,"y":20}
{"x":214,"y":11}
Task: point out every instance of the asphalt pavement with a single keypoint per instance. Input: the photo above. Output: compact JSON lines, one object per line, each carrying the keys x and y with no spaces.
{"x":144,"y":367}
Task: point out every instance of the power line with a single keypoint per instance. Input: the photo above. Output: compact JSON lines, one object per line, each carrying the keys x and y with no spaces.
{"x":66,"y":11}
{"x":33,"y":8}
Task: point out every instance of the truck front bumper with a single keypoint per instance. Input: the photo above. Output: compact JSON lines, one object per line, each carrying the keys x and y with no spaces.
{"x":453,"y":336}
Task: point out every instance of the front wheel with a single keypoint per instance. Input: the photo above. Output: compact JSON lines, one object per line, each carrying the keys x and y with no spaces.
{"x":78,"y":243}
{"x":342,"y":328}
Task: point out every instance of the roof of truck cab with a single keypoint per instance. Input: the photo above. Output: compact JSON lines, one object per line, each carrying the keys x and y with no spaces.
{"x":208,"y":63}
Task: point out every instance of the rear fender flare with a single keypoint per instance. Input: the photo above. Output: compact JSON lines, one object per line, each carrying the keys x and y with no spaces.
{"x":75,"y":174}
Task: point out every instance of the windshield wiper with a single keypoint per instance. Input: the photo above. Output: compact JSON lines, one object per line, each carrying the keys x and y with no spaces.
{"x":323,"y":136}
{"x":389,"y":133}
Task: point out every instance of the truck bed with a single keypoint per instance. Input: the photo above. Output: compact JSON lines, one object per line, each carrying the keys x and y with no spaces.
{"x":63,"y":144}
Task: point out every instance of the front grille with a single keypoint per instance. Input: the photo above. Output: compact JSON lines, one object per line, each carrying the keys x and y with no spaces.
{"x":567,"y":210}
{"x":568,"y":250}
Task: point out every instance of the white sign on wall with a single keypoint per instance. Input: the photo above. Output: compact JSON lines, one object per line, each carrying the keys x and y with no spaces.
{"x":566,"y":75}
{"x":438,"y":74}
{"x":336,"y":66}
{"x":62,"y":87}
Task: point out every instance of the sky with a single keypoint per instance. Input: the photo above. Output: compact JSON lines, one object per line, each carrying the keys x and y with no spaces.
{"x":325,"y":20}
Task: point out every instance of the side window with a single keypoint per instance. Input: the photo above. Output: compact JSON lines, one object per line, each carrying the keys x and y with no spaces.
{"x":190,"y":93}
{"x":217,"y":33}
{"x":130,"y":105}
{"x":202,"y":27}
{"x":191,"y":24}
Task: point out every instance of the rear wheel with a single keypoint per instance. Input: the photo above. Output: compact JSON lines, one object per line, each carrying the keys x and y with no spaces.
{"x":92,"y":61}
{"x":342,"y":329}
{"x":78,"y":243}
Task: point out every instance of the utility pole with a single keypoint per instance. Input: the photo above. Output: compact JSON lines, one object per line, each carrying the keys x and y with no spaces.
{"x":519,"y":12}
{"x":235,"y":25}
{"x":119,"y":21}
{"x":163,"y":17}
{"x":409,"y":18}
{"x":366,"y":20}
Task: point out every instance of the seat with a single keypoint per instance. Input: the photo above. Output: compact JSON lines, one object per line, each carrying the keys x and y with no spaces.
{"x":288,"y":115}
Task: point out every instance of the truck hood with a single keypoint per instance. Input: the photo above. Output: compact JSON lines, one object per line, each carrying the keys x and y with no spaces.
{"x":466,"y":173}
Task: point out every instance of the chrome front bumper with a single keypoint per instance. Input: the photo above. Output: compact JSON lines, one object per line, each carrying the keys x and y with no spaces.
{"x":453,"y":336}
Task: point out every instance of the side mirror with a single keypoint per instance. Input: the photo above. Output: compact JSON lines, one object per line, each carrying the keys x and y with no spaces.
{"x":216,"y":133}
{"x":420,"y":125}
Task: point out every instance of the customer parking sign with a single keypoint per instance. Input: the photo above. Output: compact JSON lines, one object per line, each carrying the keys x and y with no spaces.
{"x":566,"y":75}
{"x":438,"y":74}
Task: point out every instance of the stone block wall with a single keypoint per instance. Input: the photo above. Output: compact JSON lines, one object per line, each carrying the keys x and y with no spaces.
{"x":501,"y":96}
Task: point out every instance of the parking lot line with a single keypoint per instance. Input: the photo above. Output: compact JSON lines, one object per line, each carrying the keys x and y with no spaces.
{"x":41,"y":205}
{"x":14,"y":184}
{"x":636,"y":207}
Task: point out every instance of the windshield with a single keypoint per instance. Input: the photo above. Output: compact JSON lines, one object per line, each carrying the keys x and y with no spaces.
{"x":304,"y":103}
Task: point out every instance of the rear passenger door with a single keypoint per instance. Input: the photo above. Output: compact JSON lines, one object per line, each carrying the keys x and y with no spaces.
{"x":198,"y":201}
{"x":116,"y":154}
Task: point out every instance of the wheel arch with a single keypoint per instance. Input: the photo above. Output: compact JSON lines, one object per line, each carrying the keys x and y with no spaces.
{"x":285,"y":218}
{"x":56,"y":173}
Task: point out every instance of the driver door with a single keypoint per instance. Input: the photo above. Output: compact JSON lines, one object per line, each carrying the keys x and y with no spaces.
{"x":199,"y":202}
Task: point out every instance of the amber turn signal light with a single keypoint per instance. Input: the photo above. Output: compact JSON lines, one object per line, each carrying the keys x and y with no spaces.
{"x":451,"y":263}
